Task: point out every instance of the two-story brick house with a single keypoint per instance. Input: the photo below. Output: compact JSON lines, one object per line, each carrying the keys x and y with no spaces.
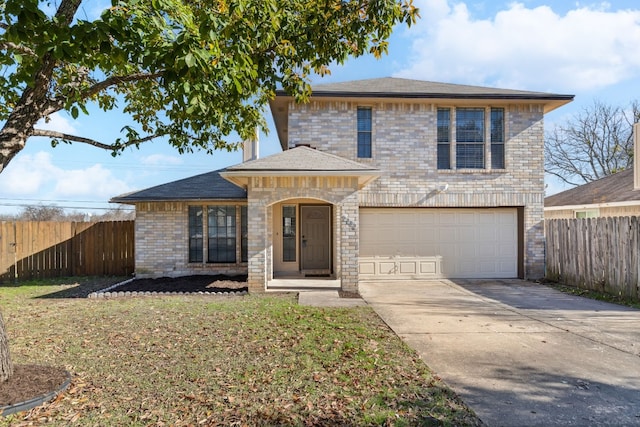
{"x":378,"y":179}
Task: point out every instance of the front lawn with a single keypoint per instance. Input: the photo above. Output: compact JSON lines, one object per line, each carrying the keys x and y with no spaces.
{"x":189,"y":360}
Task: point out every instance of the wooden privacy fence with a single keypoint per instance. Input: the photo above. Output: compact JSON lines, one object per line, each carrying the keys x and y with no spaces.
{"x":30,"y":250}
{"x":599,"y":254}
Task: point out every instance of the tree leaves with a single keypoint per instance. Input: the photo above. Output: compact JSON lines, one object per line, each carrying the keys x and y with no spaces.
{"x":219,"y":62}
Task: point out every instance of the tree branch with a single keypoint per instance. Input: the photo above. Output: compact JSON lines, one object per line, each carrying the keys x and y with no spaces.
{"x":17,"y":48}
{"x":116,"y":80}
{"x":67,"y":137}
{"x":55,"y":105}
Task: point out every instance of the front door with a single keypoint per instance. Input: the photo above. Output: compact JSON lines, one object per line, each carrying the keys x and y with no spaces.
{"x":315,"y":240}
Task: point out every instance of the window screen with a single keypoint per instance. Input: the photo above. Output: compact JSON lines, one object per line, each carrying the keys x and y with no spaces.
{"x":222,"y":233}
{"x":364,"y":132}
{"x":497,"y":138}
{"x":444,"y":141}
{"x":195,"y":234}
{"x":470,"y":138}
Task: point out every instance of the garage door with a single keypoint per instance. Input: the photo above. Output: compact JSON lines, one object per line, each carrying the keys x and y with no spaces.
{"x":438,"y":243}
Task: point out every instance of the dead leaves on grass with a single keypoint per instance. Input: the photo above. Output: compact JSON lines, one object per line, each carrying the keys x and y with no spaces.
{"x":263,"y":361}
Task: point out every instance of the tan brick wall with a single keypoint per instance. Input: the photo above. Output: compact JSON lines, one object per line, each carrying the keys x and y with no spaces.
{"x":404,"y":149}
{"x":162,"y":243}
{"x":264,"y":192}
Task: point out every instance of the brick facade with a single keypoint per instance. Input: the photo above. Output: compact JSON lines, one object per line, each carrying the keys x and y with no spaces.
{"x":340,"y":192}
{"x":162,"y":242}
{"x":404,"y":150}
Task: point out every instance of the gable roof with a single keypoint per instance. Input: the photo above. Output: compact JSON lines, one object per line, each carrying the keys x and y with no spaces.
{"x":300,"y":161}
{"x":302,"y":158}
{"x":206,"y":186}
{"x":397,"y":88}
{"x":614,"y":188}
{"x":391,"y":87}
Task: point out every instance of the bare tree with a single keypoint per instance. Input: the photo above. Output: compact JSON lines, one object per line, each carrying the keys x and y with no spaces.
{"x":42,"y":213}
{"x":594,"y":143}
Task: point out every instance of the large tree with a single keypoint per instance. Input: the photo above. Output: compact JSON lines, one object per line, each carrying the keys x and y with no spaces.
{"x":594,"y":143}
{"x":190,"y":71}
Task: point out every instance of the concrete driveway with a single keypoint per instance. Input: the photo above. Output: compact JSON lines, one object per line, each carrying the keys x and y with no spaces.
{"x":519,"y":353}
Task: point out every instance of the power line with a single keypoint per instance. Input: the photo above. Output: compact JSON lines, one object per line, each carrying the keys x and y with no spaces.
{"x":24,"y":205}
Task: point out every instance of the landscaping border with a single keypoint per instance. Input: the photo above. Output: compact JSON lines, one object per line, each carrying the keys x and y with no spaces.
{"x":110,"y":292}
{"x":36,"y":401}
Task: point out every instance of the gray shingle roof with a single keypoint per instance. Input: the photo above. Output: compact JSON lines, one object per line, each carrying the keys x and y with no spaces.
{"x":610,"y":189}
{"x":302,"y":159}
{"x":395,"y":88}
{"x":407,"y":88}
{"x":207,"y":186}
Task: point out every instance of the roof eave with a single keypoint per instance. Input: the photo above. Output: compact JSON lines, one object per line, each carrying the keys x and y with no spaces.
{"x":161,"y":200}
{"x":241,"y":177}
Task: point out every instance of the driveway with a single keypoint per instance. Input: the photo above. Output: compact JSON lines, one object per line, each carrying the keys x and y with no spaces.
{"x":519,"y":353}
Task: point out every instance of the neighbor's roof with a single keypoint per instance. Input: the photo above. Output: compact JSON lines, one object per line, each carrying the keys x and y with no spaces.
{"x":610,"y":189}
{"x":207,"y":186}
{"x":391,"y":87}
{"x":300,"y":161}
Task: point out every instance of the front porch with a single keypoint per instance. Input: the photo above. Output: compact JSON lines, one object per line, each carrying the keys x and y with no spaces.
{"x":303,"y":211}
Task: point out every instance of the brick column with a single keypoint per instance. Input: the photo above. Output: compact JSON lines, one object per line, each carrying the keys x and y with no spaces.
{"x":257,"y":245}
{"x":349,"y":250}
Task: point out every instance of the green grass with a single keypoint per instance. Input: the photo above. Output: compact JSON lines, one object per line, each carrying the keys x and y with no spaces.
{"x":253,"y":360}
{"x":587,"y":293}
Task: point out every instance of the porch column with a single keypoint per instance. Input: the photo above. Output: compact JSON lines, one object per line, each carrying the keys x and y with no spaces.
{"x":257,"y":245}
{"x":349,"y":248}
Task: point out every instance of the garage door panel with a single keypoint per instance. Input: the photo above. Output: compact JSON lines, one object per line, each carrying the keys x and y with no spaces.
{"x":455,"y":243}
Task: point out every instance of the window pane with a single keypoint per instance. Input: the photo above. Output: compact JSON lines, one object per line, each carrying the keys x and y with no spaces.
{"x":289,"y":233}
{"x":444,"y":156}
{"x":195,"y":234}
{"x":364,"y":119}
{"x":222,"y":234}
{"x":364,"y":145}
{"x":444,"y":123}
{"x":470,"y":125}
{"x":497,"y":125}
{"x":497,"y":156}
{"x":244,"y":227}
{"x":470,"y":156}
{"x":364,"y":132}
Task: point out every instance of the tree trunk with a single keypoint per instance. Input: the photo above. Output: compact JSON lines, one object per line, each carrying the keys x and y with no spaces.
{"x":6,"y":365}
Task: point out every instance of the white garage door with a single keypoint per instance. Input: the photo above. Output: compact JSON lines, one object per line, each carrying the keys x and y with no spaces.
{"x":438,"y":243}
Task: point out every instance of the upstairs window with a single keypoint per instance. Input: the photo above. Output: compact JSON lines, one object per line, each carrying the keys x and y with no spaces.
{"x":364,"y":132}
{"x":444,"y":138}
{"x":475,"y":137}
{"x":470,"y":138}
{"x":497,"y":138}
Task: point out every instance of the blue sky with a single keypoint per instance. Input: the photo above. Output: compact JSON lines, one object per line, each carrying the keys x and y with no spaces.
{"x":589,"y":49}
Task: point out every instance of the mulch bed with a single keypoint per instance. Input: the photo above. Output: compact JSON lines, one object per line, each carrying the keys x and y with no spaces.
{"x":186,"y":284}
{"x":30,"y":381}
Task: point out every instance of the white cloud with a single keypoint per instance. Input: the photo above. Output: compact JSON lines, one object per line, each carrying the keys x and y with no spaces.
{"x":57,"y":122}
{"x":160,"y":160}
{"x":95,"y":181}
{"x":27,"y":174}
{"x":529,"y":48}
{"x":35,"y":176}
